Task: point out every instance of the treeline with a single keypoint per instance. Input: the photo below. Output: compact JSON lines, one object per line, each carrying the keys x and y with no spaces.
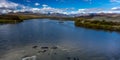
{"x":96,"y":24}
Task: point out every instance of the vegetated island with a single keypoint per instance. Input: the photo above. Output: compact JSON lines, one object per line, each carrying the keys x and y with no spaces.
{"x":100,"y":22}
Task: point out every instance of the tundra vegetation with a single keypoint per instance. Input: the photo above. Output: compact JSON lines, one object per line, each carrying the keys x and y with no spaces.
{"x":96,"y":24}
{"x":79,"y":21}
{"x":9,"y":19}
{"x":16,"y":18}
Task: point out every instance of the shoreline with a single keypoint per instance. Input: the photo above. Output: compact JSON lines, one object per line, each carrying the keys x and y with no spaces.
{"x":13,"y":19}
{"x":79,"y":21}
{"x":99,"y":25}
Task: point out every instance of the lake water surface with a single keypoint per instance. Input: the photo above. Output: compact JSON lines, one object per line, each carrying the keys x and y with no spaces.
{"x":85,"y":44}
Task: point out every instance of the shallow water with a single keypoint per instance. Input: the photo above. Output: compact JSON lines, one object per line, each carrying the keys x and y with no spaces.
{"x":76,"y":42}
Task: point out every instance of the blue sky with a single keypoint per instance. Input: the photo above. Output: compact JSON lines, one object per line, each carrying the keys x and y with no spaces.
{"x":72,"y":6}
{"x":77,"y":4}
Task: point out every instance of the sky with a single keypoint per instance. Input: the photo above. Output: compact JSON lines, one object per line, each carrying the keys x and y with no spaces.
{"x":61,"y":6}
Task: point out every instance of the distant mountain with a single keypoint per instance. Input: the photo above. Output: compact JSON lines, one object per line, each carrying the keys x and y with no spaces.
{"x":85,"y":15}
{"x":57,"y":15}
{"x":97,"y":14}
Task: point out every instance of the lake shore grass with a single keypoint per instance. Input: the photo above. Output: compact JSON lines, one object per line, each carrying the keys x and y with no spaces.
{"x":99,"y":25}
{"x":79,"y":22}
{"x":4,"y":21}
{"x":16,"y":18}
{"x":9,"y":19}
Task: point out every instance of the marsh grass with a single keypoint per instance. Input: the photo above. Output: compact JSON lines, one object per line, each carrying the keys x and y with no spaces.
{"x":96,"y":24}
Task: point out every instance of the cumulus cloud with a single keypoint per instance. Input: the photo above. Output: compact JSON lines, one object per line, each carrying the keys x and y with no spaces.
{"x":37,"y":4}
{"x":111,"y":10}
{"x":115,"y":8}
{"x":84,"y":11}
{"x":44,"y":5}
{"x":8,"y":6}
{"x":47,"y":9}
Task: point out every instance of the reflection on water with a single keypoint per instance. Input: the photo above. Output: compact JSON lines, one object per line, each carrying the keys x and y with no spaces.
{"x":80,"y":42}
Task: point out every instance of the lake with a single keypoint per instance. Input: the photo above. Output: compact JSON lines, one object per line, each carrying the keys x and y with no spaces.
{"x":74,"y":43}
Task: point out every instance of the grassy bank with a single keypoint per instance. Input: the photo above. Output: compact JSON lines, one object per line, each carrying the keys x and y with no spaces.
{"x":26,"y":17}
{"x":16,"y":18}
{"x":9,"y":19}
{"x":95,"y":24}
{"x":80,"y":22}
{"x":3,"y":21}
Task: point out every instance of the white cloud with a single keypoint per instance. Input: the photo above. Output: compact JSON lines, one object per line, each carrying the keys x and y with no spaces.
{"x":115,"y":8}
{"x":7,"y":6}
{"x":47,"y":9}
{"x":117,"y":1}
{"x":84,"y":11}
{"x":37,"y":4}
{"x":10,"y":5}
{"x":44,"y":5}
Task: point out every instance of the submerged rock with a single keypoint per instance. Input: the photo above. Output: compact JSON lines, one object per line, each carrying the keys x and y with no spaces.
{"x":55,"y":53}
{"x":74,"y":58}
{"x":34,"y":47}
{"x":42,"y":51}
{"x":68,"y":58}
{"x":29,"y":58}
{"x":77,"y":58}
{"x":44,"y":47}
{"x":54,"y":47}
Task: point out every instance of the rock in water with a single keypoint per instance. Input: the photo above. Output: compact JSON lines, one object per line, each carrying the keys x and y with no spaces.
{"x":54,"y":47}
{"x":34,"y":47}
{"x":44,"y":47}
{"x":29,"y":58}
